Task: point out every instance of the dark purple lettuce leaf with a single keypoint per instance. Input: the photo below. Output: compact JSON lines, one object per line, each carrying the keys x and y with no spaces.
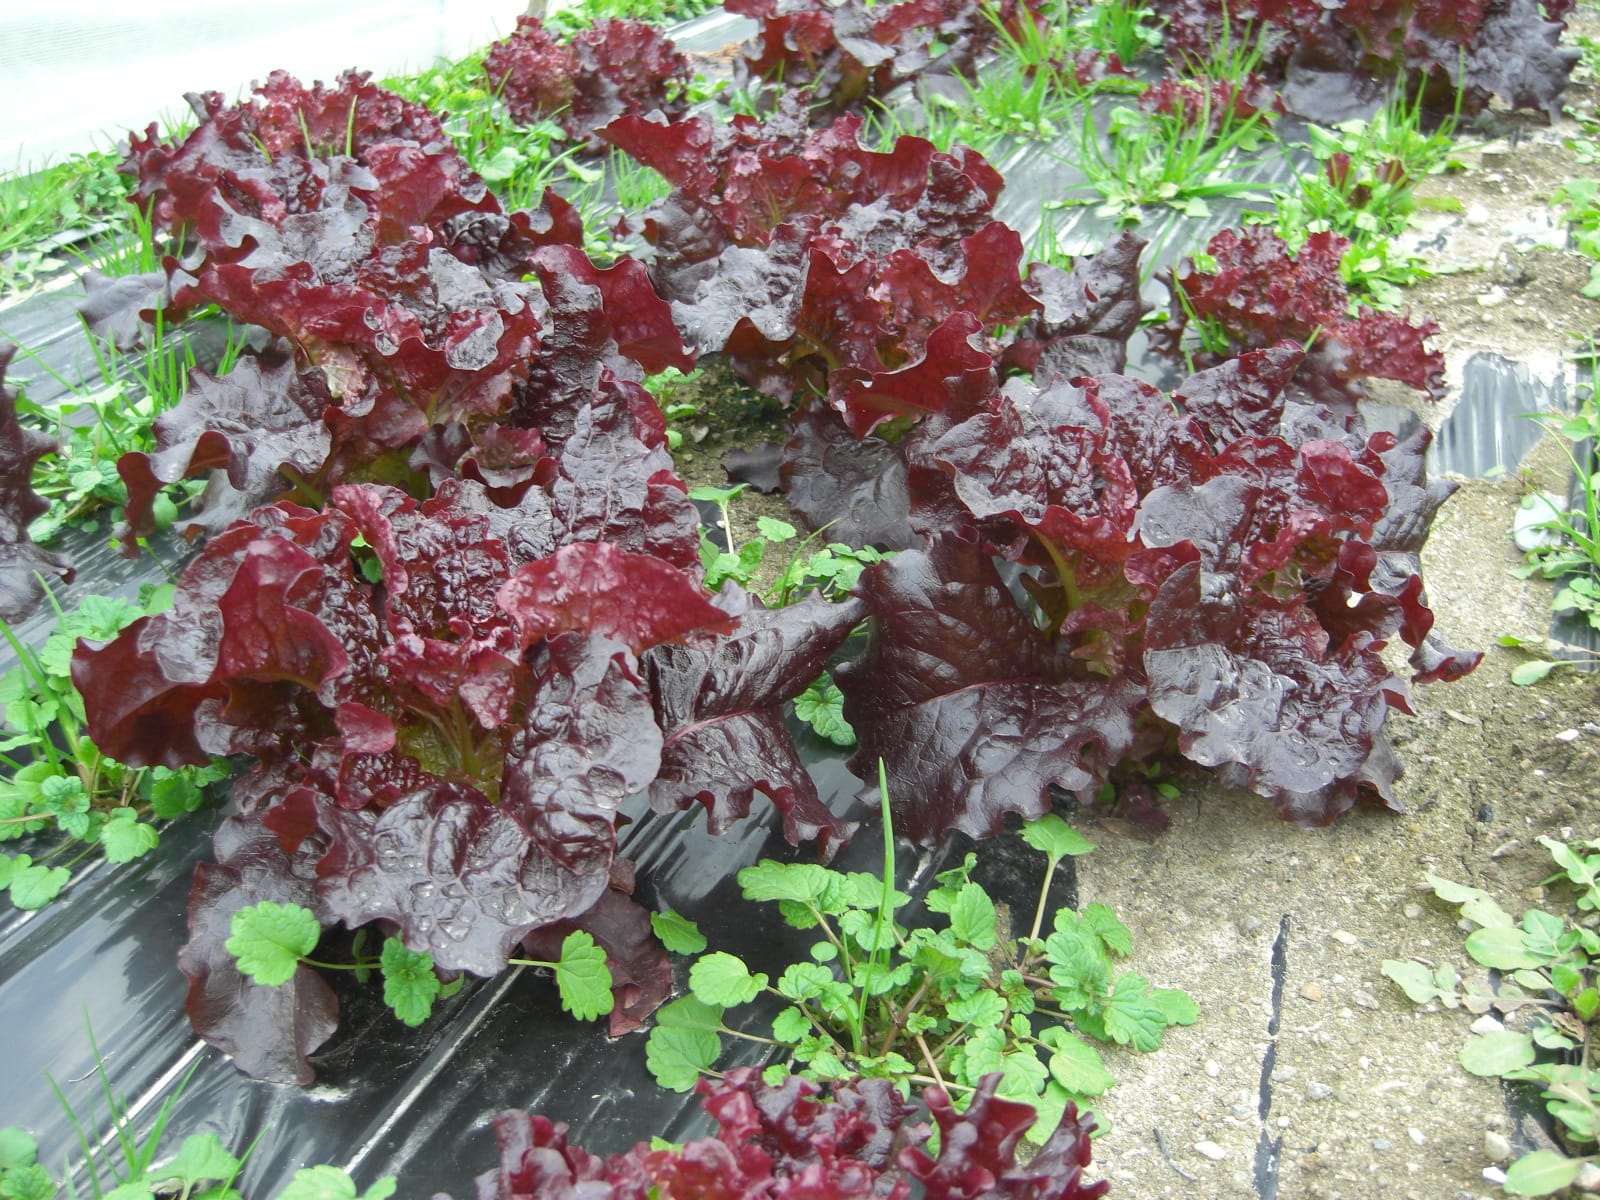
{"x":263,"y":417}
{"x":786,"y":1142}
{"x":269,"y":1032}
{"x":613,"y":479}
{"x":978,"y":1145}
{"x":609,"y":69}
{"x":720,"y":708}
{"x":22,"y":564}
{"x":1089,"y":313}
{"x":855,"y":488}
{"x":1477,"y":48}
{"x":975,"y":711}
{"x":595,"y":588}
{"x":1257,"y":687}
{"x":844,"y":54}
{"x":1260,"y":295}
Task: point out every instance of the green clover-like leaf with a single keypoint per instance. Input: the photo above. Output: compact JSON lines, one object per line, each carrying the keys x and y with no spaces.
{"x":1131,"y":1016}
{"x":125,"y":837}
{"x":982,"y":1008}
{"x":32,"y":1182}
{"x":32,"y":887}
{"x":17,"y":1148}
{"x":1053,"y":837}
{"x":677,"y":932}
{"x":688,"y":1013}
{"x":410,"y":984}
{"x":973,"y":918}
{"x":202,"y":1156}
{"x":676,"y":1056}
{"x":790,"y":1025}
{"x":1108,"y":929}
{"x":583,"y":978}
{"x":332,"y":1183}
{"x":269,"y":939}
{"x":720,"y":978}
{"x":821,"y":706}
{"x":1075,"y":1064}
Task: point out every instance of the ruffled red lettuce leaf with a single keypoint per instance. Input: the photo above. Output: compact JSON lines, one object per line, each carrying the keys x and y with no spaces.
{"x":978,"y":1151}
{"x":22,"y":564}
{"x":609,"y":69}
{"x":269,"y":1032}
{"x":856,"y":488}
{"x":1088,"y":314}
{"x":613,"y":479}
{"x":1259,"y":295}
{"x":641,"y":974}
{"x":595,"y":588}
{"x":720,"y":706}
{"x":1453,"y":53}
{"x":1258,"y":688}
{"x":786,"y":1142}
{"x":261,"y":418}
{"x":847,"y":53}
{"x":974,"y":710}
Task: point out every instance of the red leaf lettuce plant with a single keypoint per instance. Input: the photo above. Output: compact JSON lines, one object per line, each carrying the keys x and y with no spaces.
{"x":868,"y":289}
{"x":444,"y":748}
{"x":788,"y":1143}
{"x":611,"y":68}
{"x":1333,"y":50}
{"x":422,"y":333}
{"x":1207,"y":577}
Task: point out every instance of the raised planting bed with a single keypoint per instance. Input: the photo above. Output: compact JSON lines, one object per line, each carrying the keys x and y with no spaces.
{"x":465,"y":738}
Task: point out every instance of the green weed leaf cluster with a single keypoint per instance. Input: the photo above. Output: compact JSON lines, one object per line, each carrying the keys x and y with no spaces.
{"x":946,"y":1002}
{"x":270,"y":941}
{"x":1549,"y":997}
{"x":58,"y":792}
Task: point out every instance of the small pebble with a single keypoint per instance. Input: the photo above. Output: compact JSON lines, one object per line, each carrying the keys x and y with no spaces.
{"x":1344,"y":938}
{"x":1213,"y":1067}
{"x":1416,"y":1136}
{"x":1494,"y":1175}
{"x":1284,"y":1074}
{"x":1496,"y":1146}
{"x":1486,"y":1024}
{"x":1588,"y":1179}
{"x":1567,"y":735}
{"x":1311,"y":991}
{"x":1365,"y":999}
{"x":1211,"y":1150}
{"x":1318,"y":1091}
{"x":1413,"y":911}
{"x":1381,"y":1144}
{"x":1283,"y":1122}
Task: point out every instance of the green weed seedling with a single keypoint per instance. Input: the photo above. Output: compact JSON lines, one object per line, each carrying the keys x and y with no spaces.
{"x":270,"y":942}
{"x":1582,"y":198}
{"x":1548,"y":996}
{"x":1574,"y":555}
{"x":202,"y":1169}
{"x":924,"y":1005}
{"x":108,"y":419}
{"x":1364,"y":191}
{"x":831,"y":570}
{"x":1155,"y":159}
{"x":78,"y":196}
{"x":57,"y":782}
